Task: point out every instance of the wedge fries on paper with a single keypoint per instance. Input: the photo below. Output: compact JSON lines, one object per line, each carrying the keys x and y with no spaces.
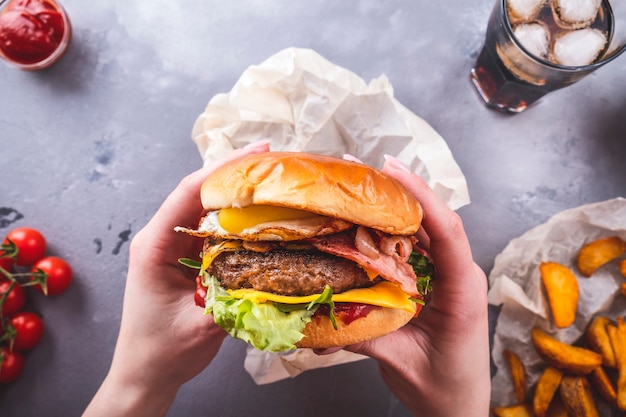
{"x":592,"y":369}
{"x":577,"y":396}
{"x":518,"y":374}
{"x":547,"y":386}
{"x":569,"y":359}
{"x":617,"y":334}
{"x":562,"y":291}
{"x":520,"y":410}
{"x":598,"y":252}
{"x":598,"y":340}
{"x":575,"y":377}
{"x":604,"y":386}
{"x":557,"y":408}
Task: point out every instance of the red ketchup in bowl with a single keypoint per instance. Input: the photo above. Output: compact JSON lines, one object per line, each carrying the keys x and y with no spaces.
{"x":34,"y":34}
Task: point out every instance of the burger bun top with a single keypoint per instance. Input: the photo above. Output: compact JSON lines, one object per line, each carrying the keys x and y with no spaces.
{"x":320,"y":184}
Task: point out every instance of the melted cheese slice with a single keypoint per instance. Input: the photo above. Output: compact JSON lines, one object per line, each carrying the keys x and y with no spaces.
{"x":214,"y":251}
{"x":383,"y":294}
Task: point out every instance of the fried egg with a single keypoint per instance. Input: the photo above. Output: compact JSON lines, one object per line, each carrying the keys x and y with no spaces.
{"x":266,"y":223}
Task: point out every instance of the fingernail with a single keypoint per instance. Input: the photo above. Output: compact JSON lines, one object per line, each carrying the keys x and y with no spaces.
{"x":259,"y":144}
{"x":352,"y":158}
{"x":396,"y":163}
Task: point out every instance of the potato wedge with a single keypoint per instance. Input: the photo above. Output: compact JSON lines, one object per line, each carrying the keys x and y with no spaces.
{"x":617,"y":334}
{"x":577,"y":397}
{"x":622,"y":267}
{"x":547,"y":385}
{"x":598,"y":340}
{"x":598,"y":252}
{"x":611,"y":331}
{"x":522,"y":410}
{"x":562,"y":290}
{"x":557,"y":408}
{"x":570,"y":359}
{"x":603,"y":385}
{"x":518,"y":374}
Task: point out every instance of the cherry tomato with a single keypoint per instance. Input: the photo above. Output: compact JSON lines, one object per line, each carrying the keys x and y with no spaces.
{"x":59,"y":274}
{"x":12,"y":365}
{"x":14,"y":301}
{"x":28,"y":330}
{"x":31,"y":244}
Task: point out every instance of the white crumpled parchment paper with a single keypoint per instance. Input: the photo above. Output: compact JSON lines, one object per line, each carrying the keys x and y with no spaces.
{"x":302,"y":102}
{"x":515,"y":285}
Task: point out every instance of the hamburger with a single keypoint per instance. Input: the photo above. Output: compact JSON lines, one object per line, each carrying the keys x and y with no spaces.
{"x":308,"y":251}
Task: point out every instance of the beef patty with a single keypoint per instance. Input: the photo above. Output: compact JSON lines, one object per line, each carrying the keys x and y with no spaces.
{"x":288,"y":272}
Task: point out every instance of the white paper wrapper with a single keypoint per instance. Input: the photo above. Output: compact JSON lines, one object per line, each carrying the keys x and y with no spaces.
{"x":302,"y":102}
{"x":266,"y":367}
{"x":515,"y":284}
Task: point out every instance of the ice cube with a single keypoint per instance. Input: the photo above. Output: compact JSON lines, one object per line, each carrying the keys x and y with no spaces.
{"x":578,"y":47}
{"x":534,"y":37}
{"x":523,"y":10}
{"x":575,"y":14}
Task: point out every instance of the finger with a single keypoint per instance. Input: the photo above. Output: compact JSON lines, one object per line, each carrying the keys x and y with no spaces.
{"x":327,"y":351}
{"x":389,"y":348}
{"x":183,"y":206}
{"x":423,"y":240}
{"x":372,"y":350}
{"x":449,"y":246}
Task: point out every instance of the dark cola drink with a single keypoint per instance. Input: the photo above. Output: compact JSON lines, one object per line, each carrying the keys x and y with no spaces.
{"x":509,"y":78}
{"x":500,"y":88}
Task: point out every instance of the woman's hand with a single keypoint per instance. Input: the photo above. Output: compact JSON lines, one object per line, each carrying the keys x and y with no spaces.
{"x":164,"y":339}
{"x":438,"y":365}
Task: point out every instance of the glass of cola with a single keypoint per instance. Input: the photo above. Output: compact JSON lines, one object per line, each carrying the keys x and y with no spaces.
{"x":533,"y":47}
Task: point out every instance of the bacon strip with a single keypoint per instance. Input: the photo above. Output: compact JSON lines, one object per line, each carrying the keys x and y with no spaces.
{"x":391,"y":268}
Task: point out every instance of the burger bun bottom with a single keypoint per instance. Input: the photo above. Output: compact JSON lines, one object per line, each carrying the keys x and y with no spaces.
{"x":319,"y":333}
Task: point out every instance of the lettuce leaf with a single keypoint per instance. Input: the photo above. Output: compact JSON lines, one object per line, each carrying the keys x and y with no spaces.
{"x":264,"y":326}
{"x":425,"y":271}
